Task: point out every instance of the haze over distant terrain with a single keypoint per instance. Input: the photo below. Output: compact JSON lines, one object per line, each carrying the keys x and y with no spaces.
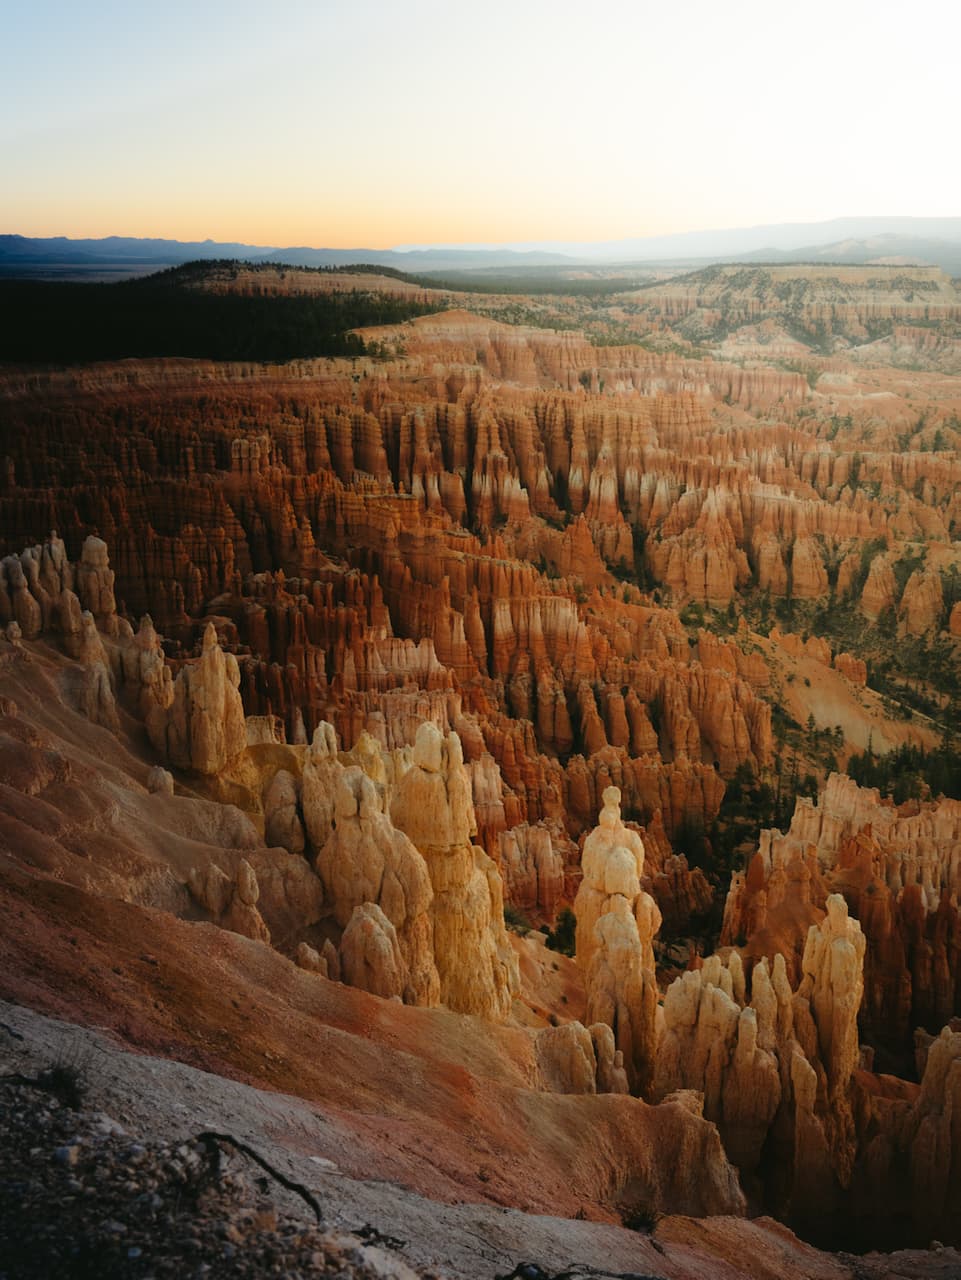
{"x":884,"y":240}
{"x":782,"y":238}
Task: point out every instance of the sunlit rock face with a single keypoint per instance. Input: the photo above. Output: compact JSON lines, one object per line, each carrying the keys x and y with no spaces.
{"x":778,"y":1066}
{"x":202,"y":727}
{"x":616,"y":924}
{"x":432,"y":807}
{"x":366,"y":861}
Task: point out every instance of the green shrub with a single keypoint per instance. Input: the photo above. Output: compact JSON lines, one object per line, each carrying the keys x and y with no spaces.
{"x":561,"y":937}
{"x":516,"y":920}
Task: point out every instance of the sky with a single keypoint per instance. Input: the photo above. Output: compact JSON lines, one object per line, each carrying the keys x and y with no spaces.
{"x":376,"y":123}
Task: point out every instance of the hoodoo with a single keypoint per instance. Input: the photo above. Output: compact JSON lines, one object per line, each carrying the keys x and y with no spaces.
{"x":487,"y":778}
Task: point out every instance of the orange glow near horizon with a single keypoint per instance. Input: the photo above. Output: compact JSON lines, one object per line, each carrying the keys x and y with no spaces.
{"x":356,"y":223}
{"x":349,"y":234}
{"x":374,"y":124}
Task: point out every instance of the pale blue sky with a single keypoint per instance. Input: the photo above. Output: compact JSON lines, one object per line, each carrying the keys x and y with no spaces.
{"x":376,"y":123}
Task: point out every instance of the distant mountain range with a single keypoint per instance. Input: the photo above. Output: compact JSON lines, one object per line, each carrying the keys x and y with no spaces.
{"x":61,"y":249}
{"x":24,"y":255}
{"x":737,"y":242}
{"x":886,"y":248}
{"x":930,"y":240}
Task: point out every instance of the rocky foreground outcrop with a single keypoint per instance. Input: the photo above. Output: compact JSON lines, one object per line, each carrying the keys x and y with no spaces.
{"x":161,"y":1196}
{"x":163,"y":914}
{"x":121,"y":1202}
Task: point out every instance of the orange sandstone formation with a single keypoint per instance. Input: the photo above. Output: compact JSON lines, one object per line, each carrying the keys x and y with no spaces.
{"x":417,"y":559}
{"x":897,"y":870}
{"x":616,"y":924}
{"x":431,"y":805}
{"x":366,"y":862}
{"x":777,"y":1068}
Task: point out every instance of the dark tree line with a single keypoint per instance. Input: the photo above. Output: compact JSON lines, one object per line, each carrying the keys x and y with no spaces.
{"x":909,"y":771}
{"x":43,"y":322}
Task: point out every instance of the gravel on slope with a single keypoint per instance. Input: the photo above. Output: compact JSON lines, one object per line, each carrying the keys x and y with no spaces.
{"x":105,"y":1173}
{"x":82,"y":1197}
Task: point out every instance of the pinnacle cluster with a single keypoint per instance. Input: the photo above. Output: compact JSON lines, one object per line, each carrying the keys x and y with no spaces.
{"x":486,"y":743}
